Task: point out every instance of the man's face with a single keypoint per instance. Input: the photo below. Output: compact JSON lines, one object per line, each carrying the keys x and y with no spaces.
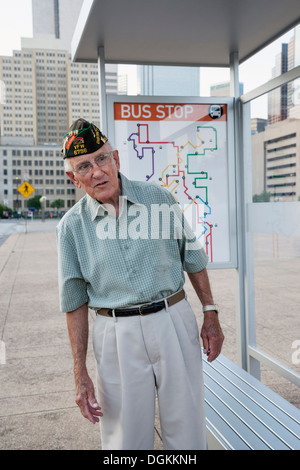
{"x":101,"y":183}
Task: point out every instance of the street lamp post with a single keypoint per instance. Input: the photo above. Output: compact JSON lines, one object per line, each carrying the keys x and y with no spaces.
{"x":17,"y":201}
{"x":43,"y":201}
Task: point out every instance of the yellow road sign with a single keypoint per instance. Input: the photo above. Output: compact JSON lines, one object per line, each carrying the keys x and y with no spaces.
{"x":26,"y":189}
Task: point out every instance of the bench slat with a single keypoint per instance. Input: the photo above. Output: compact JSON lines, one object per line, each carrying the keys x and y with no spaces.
{"x":242,"y":413}
{"x":250,"y":417}
{"x":223,"y":431}
{"x":267,"y":396}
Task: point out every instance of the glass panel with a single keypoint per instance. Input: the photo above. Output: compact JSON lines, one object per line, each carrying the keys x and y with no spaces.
{"x":274,"y":220}
{"x":275,"y":122}
{"x":222,"y":283}
{"x":214,"y":81}
{"x":224,"y":291}
{"x":281,"y":386}
{"x":270,"y":62}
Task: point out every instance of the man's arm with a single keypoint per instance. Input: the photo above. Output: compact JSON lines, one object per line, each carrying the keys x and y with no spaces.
{"x":77,"y":322}
{"x":211,"y":332}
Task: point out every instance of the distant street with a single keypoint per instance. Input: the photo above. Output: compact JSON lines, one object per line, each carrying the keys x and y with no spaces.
{"x":7,"y":227}
{"x":10,"y":226}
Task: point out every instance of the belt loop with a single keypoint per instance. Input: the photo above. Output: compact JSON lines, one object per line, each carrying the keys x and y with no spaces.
{"x":114,"y":315}
{"x":166,"y":305}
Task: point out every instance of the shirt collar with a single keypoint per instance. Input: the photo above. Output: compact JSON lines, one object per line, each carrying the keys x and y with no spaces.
{"x":128,"y":192}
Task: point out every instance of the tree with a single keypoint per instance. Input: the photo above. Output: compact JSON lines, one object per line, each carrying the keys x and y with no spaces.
{"x":4,"y":210}
{"x":34,"y":202}
{"x":263,"y":197}
{"x":57,"y":204}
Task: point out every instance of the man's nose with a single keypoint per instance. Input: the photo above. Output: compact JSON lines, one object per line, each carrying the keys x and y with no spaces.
{"x":96,"y":170}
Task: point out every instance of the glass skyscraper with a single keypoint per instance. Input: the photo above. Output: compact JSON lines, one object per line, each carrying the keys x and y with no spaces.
{"x":169,"y":81}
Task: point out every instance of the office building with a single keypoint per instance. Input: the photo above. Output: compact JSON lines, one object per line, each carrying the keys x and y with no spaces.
{"x":258,"y":125}
{"x":168,"y":81}
{"x":276,"y":160}
{"x":223,"y":89}
{"x":42,"y":93}
{"x":285,"y":101}
{"x":55,"y":19}
{"x":45,"y":92}
{"x":294,"y":86}
{"x":278,"y":98}
{"x":41,"y":166}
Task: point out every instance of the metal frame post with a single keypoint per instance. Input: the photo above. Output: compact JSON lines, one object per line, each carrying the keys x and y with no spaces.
{"x":245,"y":306}
{"x":253,"y":365}
{"x":240,"y":216}
{"x":102,"y":90}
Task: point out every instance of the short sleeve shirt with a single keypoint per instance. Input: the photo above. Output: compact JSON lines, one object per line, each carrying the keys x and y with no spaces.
{"x":136,"y":258}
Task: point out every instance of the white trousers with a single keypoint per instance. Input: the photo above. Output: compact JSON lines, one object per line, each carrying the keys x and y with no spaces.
{"x":138,"y":354}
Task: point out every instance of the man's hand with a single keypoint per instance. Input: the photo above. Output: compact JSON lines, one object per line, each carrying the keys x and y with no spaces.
{"x":211,"y":332}
{"x":212,"y":335}
{"x":85,"y":399}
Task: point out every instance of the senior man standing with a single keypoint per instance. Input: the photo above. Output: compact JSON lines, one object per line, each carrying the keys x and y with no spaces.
{"x":115,"y":260}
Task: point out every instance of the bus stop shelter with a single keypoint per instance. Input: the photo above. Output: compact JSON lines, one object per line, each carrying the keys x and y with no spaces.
{"x":212,"y":33}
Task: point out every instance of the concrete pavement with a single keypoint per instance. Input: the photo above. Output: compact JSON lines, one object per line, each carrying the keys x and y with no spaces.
{"x":37,"y":408}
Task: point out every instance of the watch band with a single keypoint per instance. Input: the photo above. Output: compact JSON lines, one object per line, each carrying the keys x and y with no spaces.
{"x":208,"y":308}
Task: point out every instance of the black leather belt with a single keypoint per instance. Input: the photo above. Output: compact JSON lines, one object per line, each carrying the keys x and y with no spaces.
{"x":143,"y":309}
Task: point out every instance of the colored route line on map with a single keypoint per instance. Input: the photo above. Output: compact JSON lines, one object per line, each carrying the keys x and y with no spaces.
{"x":136,"y":136}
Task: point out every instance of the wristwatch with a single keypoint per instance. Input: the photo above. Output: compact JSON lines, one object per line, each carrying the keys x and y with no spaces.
{"x":208,"y":308}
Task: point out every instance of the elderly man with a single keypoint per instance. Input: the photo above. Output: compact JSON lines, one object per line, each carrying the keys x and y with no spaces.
{"x":115,"y":260}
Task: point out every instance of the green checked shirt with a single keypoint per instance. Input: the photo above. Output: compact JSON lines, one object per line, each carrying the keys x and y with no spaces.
{"x":136,"y":258}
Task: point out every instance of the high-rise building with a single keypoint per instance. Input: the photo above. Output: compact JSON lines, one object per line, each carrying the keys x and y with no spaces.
{"x":168,"y":81}
{"x":223,"y":89}
{"x":55,"y":19}
{"x":278,"y":98}
{"x":275,"y":159}
{"x":45,"y":92}
{"x":275,"y":149}
{"x":18,"y":107}
{"x":294,"y":86}
{"x":284,"y":102}
{"x":42,"y":93}
{"x":258,"y":125}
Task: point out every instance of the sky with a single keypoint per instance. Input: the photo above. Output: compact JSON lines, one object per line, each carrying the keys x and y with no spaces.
{"x":16,"y":22}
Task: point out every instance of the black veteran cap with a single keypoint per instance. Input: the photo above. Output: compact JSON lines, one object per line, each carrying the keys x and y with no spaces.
{"x":83,"y":137}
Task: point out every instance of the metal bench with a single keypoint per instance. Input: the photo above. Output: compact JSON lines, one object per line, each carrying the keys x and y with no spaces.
{"x":244,"y":414}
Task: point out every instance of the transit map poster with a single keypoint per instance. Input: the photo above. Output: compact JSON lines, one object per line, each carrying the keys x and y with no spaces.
{"x":182,"y":147}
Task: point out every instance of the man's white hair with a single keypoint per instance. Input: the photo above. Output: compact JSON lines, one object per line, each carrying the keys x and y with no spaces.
{"x":68,"y":164}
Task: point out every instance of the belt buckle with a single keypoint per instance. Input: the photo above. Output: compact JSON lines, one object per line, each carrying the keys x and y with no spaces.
{"x":140,"y":309}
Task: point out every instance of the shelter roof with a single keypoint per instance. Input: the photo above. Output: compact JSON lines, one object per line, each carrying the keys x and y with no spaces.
{"x":180,"y":32}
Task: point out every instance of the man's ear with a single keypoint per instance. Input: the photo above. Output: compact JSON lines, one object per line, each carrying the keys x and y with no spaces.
{"x":116,"y":159}
{"x":72,"y":177}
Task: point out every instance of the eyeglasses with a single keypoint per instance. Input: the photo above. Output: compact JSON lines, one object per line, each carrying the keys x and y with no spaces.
{"x":100,"y":160}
